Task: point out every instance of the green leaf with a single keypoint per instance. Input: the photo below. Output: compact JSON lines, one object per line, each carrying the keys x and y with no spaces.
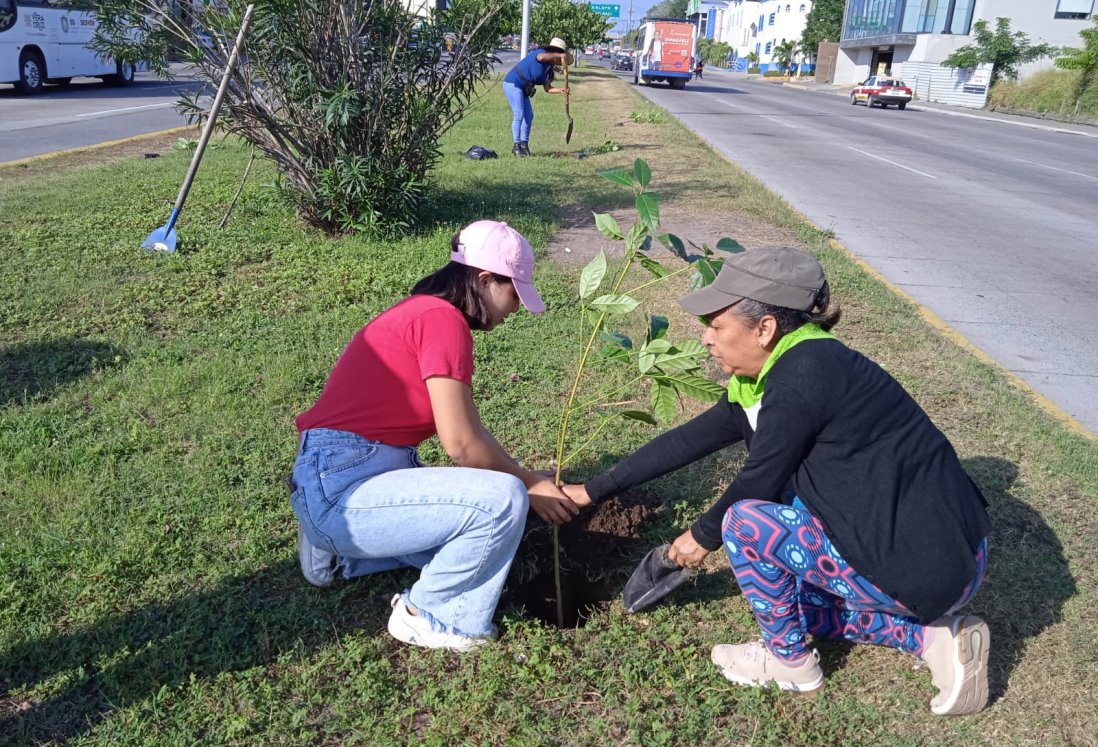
{"x":706,"y":272}
{"x":657,"y":346}
{"x":657,"y":327}
{"x":639,"y":415}
{"x":673,"y":244}
{"x":653,"y":266}
{"x":617,"y":338}
{"x":618,"y":176}
{"x":608,"y":227}
{"x":615,"y":303}
{"x":695,"y":386}
{"x":676,"y":359}
{"x":645,"y":362}
{"x":593,"y":317}
{"x":730,"y":245}
{"x":693,"y":347}
{"x":637,"y":234}
{"x":644,"y":174}
{"x":592,"y":275}
{"x":614,"y":353}
{"x":648,"y":208}
{"x":663,"y":400}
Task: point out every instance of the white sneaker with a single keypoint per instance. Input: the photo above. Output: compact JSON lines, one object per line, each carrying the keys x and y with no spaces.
{"x":416,"y":630}
{"x":753,"y":665}
{"x":957,"y":659}
{"x":317,"y":566}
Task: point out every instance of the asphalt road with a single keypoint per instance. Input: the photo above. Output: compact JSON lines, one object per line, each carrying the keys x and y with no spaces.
{"x":992,"y":226}
{"x":85,"y":113}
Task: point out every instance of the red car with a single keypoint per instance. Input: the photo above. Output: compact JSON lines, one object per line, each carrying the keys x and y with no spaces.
{"x":881,"y":90}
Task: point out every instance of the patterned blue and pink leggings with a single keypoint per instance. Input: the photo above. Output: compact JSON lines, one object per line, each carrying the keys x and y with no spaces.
{"x":797,"y":583}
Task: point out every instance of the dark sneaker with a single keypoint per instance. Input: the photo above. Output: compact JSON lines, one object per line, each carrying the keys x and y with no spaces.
{"x":752,"y":664}
{"x":524,"y":146}
{"x":957,"y":659}
{"x":317,"y":566}
{"x":516,"y":150}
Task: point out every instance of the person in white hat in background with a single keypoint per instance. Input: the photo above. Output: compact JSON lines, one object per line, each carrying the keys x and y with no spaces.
{"x":364,"y":501}
{"x":520,"y":84}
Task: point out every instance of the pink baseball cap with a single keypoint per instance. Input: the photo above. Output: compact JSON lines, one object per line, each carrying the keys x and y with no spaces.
{"x":496,"y":247}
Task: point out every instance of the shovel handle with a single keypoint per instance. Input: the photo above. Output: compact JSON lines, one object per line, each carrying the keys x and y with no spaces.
{"x":564,"y":62}
{"x":207,"y":131}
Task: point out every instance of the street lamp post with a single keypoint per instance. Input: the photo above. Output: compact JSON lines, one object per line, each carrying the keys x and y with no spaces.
{"x":525,"y":28}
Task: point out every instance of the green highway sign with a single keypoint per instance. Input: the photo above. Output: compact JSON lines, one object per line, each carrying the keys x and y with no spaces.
{"x":610,"y":11}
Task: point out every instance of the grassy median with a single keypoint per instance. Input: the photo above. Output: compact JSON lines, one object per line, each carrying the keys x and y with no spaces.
{"x":149,"y":589}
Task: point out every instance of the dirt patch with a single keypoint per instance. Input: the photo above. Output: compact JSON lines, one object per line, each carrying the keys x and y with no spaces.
{"x":598,"y":549}
{"x":577,"y":240}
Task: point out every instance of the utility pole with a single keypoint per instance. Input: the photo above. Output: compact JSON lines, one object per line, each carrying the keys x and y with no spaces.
{"x":525,"y":47}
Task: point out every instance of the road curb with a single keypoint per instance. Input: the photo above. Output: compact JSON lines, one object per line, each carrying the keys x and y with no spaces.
{"x":96,"y":146}
{"x":943,"y":327}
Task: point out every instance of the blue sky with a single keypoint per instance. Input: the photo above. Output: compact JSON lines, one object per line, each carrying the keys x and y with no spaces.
{"x":639,"y":9}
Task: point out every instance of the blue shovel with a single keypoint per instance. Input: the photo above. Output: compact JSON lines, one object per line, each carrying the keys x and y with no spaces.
{"x":163,"y":238}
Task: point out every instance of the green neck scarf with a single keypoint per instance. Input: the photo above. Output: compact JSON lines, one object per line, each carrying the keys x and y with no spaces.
{"x":748,"y":392}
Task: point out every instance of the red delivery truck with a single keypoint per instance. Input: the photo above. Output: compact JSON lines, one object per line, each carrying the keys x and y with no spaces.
{"x":665,"y":51}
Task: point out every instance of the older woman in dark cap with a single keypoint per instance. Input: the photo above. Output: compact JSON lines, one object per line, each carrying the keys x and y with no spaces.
{"x":852,"y":517}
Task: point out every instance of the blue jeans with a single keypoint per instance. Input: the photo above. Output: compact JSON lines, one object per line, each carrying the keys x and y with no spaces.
{"x":523,"y":111}
{"x":379,"y":508}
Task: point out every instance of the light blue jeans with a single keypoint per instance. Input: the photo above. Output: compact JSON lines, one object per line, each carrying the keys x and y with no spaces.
{"x":523,"y":111}
{"x":378,"y":508}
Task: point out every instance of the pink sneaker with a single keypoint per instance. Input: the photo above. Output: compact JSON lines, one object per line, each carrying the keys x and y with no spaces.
{"x":752,"y":664}
{"x":957,"y":658}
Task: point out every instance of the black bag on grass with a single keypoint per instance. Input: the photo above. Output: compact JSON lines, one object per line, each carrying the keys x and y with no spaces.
{"x":478,"y":153}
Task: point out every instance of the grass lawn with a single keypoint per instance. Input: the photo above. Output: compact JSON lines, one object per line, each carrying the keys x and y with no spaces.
{"x":149,"y":588}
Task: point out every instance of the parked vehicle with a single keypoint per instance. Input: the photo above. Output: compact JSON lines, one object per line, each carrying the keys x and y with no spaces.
{"x":881,"y":90}
{"x":42,"y":43}
{"x":665,"y":52}
{"x":622,"y":61}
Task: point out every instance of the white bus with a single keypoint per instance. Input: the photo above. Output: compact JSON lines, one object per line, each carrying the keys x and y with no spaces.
{"x":46,"y":41}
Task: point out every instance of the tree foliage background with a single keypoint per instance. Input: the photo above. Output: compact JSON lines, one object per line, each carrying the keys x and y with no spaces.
{"x":1004,"y":49}
{"x":1084,"y":59}
{"x":347,"y":97}
{"x":668,"y":9}
{"x":822,"y":24}
{"x":576,"y":24}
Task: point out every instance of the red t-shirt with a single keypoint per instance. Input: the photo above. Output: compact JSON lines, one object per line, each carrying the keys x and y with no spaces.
{"x":378,"y":387}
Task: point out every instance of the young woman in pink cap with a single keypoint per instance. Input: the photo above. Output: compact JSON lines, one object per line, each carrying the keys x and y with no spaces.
{"x":364,"y":501}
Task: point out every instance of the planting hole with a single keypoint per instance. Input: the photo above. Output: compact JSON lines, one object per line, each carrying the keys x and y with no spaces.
{"x":599,"y":550}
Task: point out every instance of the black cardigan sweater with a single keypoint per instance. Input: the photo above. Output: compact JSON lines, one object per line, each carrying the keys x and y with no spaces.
{"x":839,"y":432}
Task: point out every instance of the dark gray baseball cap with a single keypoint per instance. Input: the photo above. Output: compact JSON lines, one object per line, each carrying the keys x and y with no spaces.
{"x":779,"y":276}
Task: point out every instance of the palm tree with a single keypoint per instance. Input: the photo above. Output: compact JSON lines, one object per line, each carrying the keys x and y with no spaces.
{"x":752,"y":59}
{"x":783,"y":53}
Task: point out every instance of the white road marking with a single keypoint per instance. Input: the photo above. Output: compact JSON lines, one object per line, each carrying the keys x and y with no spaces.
{"x":772,"y":119}
{"x":761,"y":116}
{"x":907,"y":168}
{"x":1064,"y":171}
{"x":126,"y":109}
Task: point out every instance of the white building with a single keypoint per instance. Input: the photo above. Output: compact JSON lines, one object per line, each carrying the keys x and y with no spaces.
{"x":759,"y":25}
{"x":910,"y":38}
